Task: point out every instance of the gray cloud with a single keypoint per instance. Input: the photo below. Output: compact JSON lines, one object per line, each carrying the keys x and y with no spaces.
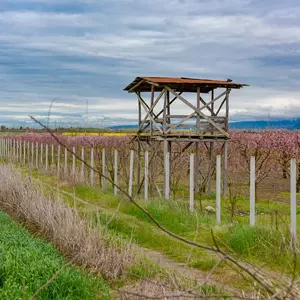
{"x":88,"y":49}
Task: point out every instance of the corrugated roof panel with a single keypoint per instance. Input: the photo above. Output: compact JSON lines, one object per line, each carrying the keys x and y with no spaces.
{"x":186,"y":84}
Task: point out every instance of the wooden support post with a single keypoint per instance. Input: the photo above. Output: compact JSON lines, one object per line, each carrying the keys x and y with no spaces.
{"x":211,"y":150}
{"x":131,"y":164}
{"x":165,"y":112}
{"x":166,"y":171}
{"x":197,"y":144}
{"x":227,"y":109}
{"x":138,"y":166}
{"x":139,"y":148}
{"x":115,"y":172}
{"x":151,"y":105}
{"x":293,"y":191}
{"x":82,"y":164}
{"x":66,"y":161}
{"x":103,"y":181}
{"x":225,"y":170}
{"x":47,"y":157}
{"x":192,"y":173}
{"x":168,"y":108}
{"x":58,"y":161}
{"x":146,"y":182}
{"x":252,"y":191}
{"x":74,"y":161}
{"x":92,"y":165}
{"x":218,"y":189}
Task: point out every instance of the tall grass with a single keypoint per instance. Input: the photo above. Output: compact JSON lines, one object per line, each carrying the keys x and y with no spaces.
{"x":71,"y":235}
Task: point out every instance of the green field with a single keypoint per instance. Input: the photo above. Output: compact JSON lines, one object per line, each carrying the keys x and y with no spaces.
{"x":27,"y":263}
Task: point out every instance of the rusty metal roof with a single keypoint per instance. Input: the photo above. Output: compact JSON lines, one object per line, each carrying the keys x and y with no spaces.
{"x":182,"y":84}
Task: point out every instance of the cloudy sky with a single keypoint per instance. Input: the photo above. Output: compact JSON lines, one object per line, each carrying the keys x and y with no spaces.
{"x":78,"y":50}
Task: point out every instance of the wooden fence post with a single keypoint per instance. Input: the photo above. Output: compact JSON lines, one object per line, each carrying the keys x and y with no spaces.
{"x":29,"y":153}
{"x":92,"y":165}
{"x":66,"y":161}
{"x":20,"y":152}
{"x":52,"y":155}
{"x":74,"y":161}
{"x":252,"y":191}
{"x":42,"y":158}
{"x":167,"y":176}
{"x":32,"y":154}
{"x":82,"y":163}
{"x":17,"y":151}
{"x":24,"y":153}
{"x":103,"y":181}
{"x":115,"y":172}
{"x":58,"y":161}
{"x":192,"y":180}
{"x":37,"y":154}
{"x":218,"y":189}
{"x":12,"y":149}
{"x":131,"y":163}
{"x":146,"y":182}
{"x":293,"y":204}
{"x":47,"y":157}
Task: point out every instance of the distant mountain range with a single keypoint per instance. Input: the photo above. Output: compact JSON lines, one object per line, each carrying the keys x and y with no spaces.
{"x":291,"y":124}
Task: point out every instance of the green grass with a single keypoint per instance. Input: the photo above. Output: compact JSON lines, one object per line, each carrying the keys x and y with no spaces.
{"x":261,"y":245}
{"x":26,"y":263}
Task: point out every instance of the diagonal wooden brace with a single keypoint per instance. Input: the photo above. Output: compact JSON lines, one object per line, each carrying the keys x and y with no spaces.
{"x":150,"y":110}
{"x":146,"y":109}
{"x":198,"y":111}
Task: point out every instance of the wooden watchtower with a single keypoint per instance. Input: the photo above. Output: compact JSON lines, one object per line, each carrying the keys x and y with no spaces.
{"x":183,"y":110}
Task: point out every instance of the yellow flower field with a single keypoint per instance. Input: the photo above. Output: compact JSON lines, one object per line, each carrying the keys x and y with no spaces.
{"x":98,"y":133}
